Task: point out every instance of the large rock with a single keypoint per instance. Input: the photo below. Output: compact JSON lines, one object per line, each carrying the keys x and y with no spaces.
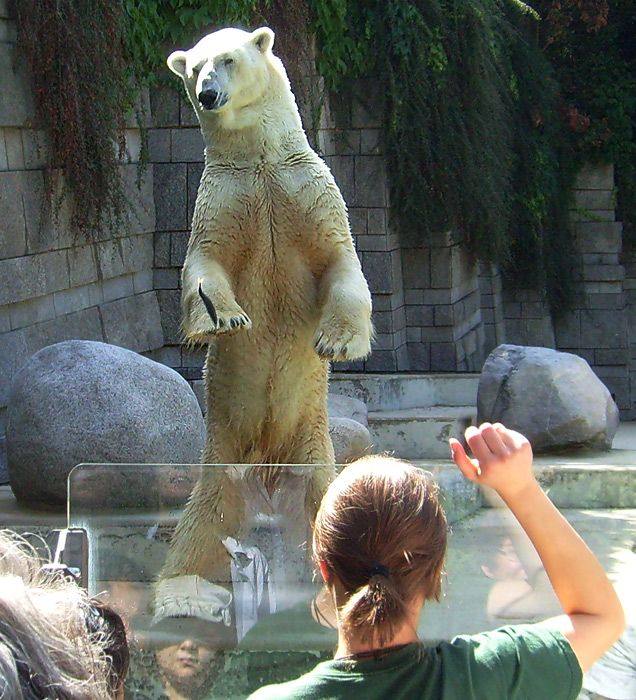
{"x":554,"y":398}
{"x":348,"y":428}
{"x":81,"y":401}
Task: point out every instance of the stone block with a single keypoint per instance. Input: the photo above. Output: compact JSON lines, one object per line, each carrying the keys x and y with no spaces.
{"x":617,"y":356}
{"x":358,"y":224}
{"x":166,"y":278}
{"x":164,"y":106}
{"x":371,"y":243}
{"x":16,"y":105}
{"x":15,"y":352}
{"x":381,"y":361}
{"x":370,"y":142}
{"x":383,"y":321}
{"x":413,"y":334}
{"x":5,"y":318}
{"x":347,"y":142}
{"x":567,"y":330}
{"x":140,"y":196}
{"x":178,"y":248}
{"x":14,"y":147}
{"x":68,"y":301}
{"x":443,"y":358}
{"x":170,"y":196}
{"x":371,"y":188}
{"x":82,"y":265}
{"x":34,"y":149}
{"x":342,"y":168}
{"x":195,"y":170}
{"x":170,"y":313}
{"x":187,"y":115}
{"x":594,"y":199}
{"x":142,"y":281}
{"x":95,"y":293}
{"x":378,"y":270}
{"x":412,"y":297}
{"x":595,"y":177}
{"x":162,"y":249}
{"x":133,"y":323}
{"x":159,"y":147}
{"x":186,"y":145}
{"x":419,"y":356}
{"x":383,"y":341}
{"x":511,"y":309}
{"x":31,"y":311}
{"x":13,"y":239}
{"x":577,"y":216}
{"x":603,"y":273}
{"x":84,"y":324}
{"x":366,"y":109}
{"x":444,"y":315}
{"x":420,"y":316}
{"x":441,"y":275}
{"x":416,"y":268}
{"x":597,"y":237}
{"x":605,"y":288}
{"x":377,"y":223}
{"x":603,"y":330}
{"x":4,"y":162}
{"x":118,"y":288}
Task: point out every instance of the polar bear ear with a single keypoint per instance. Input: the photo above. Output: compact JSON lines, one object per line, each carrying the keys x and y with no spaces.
{"x":177,"y":63}
{"x":263,"y":39}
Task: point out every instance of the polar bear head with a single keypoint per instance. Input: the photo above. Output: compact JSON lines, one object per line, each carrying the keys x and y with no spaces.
{"x":228,"y":73}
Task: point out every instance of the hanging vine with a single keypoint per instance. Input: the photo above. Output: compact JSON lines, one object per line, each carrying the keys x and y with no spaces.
{"x":75,"y":52}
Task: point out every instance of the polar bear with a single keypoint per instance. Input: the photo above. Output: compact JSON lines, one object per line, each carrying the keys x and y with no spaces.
{"x":271,"y":281}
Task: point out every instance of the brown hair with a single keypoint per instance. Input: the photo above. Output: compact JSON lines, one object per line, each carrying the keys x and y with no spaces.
{"x":381,"y":533}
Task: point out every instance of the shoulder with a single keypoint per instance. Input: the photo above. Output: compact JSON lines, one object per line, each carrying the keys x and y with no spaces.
{"x":532,"y":657}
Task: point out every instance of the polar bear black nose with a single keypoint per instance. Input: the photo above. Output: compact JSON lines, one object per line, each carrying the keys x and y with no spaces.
{"x":209,"y":94}
{"x":208,"y":97}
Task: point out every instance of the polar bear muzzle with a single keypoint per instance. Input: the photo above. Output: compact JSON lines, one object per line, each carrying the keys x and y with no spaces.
{"x":211,"y":96}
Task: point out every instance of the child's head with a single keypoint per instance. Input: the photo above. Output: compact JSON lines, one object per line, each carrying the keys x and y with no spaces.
{"x":380,"y":535}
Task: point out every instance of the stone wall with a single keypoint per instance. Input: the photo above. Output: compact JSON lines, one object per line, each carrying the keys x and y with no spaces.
{"x":54,"y":286}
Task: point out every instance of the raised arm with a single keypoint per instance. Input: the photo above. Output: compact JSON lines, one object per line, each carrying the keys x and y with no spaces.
{"x":594,"y":617}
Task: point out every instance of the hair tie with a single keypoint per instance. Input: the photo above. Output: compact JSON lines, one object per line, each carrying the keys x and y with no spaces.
{"x":380,"y":570}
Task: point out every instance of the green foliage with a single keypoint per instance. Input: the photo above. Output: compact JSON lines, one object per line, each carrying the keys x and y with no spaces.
{"x":154,"y":27}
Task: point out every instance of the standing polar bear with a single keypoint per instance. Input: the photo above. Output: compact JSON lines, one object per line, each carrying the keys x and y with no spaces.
{"x":271,"y":281}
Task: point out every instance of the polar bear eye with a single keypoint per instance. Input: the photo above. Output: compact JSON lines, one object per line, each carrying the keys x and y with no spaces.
{"x":228,"y":61}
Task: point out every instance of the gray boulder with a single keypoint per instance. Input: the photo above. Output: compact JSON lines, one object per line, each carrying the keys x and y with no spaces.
{"x":82,"y":401}
{"x":348,"y":428}
{"x":350,"y":439}
{"x":340,"y":406}
{"x":554,"y":398}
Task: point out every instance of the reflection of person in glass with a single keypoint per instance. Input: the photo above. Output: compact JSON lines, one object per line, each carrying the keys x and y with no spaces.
{"x":188,"y":668}
{"x":191,"y":631}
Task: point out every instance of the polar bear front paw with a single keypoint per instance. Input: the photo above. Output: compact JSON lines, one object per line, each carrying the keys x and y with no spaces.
{"x":341,"y":345}
{"x":230,"y":324}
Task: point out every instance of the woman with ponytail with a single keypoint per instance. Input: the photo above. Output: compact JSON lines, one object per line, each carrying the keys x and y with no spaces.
{"x":380,"y":542}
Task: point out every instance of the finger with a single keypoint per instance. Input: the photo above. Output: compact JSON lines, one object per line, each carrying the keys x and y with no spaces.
{"x":493,"y":439}
{"x":477,"y":444}
{"x":511,"y":438}
{"x":468,"y":467}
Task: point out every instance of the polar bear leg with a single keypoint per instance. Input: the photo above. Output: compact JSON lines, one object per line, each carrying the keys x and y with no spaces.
{"x":315,"y":447}
{"x":344,"y":331}
{"x":215,"y":510}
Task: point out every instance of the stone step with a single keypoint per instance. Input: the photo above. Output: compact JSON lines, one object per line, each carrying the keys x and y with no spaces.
{"x":419,"y":433}
{"x":388,"y":392}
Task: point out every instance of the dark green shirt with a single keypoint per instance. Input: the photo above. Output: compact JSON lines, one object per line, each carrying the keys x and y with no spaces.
{"x":525,"y":662}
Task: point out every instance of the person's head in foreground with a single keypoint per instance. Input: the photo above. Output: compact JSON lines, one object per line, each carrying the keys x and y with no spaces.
{"x":380,"y":540}
{"x":55,"y":643}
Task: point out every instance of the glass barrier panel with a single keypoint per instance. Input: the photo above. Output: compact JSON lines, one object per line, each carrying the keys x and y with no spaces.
{"x":222,"y":600}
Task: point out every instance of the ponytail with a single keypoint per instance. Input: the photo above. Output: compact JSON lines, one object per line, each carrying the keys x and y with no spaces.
{"x":375,"y":611}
